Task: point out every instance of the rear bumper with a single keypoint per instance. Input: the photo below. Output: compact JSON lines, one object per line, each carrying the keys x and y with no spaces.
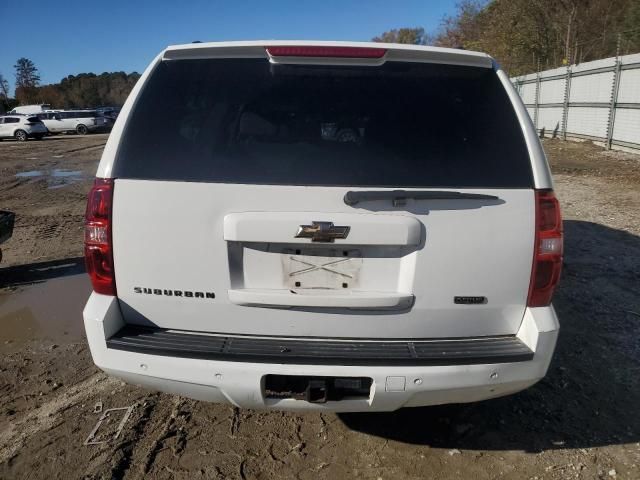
{"x":34,"y":130}
{"x":396,"y":385}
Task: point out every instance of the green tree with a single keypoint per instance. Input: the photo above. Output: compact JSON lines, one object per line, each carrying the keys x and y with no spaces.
{"x":27,"y":80}
{"x":4,"y":87}
{"x":631,"y":36}
{"x":4,"y":94}
{"x":462,"y":29}
{"x":413,"y":36}
{"x":526,"y":34}
{"x":26,"y":73}
{"x":89,"y":90}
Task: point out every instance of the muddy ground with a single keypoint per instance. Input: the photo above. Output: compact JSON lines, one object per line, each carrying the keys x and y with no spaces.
{"x":581,"y":421}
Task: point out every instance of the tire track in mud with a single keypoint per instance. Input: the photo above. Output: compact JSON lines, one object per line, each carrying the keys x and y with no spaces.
{"x":46,"y":416}
{"x":168,"y":430}
{"x":124,"y":454}
{"x":82,"y":149}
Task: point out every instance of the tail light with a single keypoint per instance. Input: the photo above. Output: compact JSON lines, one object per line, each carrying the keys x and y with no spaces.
{"x":98,"y":249}
{"x":547,"y":257}
{"x":320,"y":51}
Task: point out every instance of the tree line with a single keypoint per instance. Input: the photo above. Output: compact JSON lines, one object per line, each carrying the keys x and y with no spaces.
{"x":524,"y":35}
{"x":74,"y":91}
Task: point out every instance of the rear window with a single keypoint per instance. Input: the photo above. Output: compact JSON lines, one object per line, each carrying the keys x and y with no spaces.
{"x":35,"y":119}
{"x":77,"y":115}
{"x":396,"y":125}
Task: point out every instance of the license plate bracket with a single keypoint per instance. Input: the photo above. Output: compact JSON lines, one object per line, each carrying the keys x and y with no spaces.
{"x":322,"y":268}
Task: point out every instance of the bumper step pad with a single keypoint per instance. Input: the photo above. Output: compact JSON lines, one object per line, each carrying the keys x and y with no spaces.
{"x":314,"y":351}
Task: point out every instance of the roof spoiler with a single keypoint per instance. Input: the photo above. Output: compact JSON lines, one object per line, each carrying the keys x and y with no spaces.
{"x":392,"y":52}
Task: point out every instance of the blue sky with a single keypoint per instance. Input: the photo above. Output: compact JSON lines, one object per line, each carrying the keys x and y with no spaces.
{"x":71,"y":36}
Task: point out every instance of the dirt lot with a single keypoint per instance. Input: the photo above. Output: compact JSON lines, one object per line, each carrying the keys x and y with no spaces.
{"x":581,"y":421}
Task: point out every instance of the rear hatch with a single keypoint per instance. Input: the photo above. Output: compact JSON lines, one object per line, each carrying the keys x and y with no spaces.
{"x":310,"y":197}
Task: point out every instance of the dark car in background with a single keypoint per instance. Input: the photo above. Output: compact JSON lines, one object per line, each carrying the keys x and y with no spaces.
{"x":106,"y":118}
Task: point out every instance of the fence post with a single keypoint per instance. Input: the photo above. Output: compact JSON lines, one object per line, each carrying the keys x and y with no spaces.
{"x":537,"y":101}
{"x":565,"y":103}
{"x":615,"y":88}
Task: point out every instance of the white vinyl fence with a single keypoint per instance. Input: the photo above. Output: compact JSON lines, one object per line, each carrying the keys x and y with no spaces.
{"x":597,"y":100}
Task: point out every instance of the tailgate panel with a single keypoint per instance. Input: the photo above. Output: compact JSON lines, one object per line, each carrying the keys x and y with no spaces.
{"x":204,"y":241}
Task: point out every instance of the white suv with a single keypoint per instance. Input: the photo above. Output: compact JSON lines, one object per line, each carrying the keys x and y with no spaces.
{"x":78,"y":121}
{"x":328,"y":225}
{"x":21,"y":127}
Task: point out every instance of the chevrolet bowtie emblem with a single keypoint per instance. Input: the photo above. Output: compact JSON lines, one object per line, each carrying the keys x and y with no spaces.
{"x":322,"y":232}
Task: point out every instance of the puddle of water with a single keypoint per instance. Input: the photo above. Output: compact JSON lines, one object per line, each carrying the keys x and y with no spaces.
{"x":56,"y":178}
{"x":60,"y":172}
{"x":50,"y":310}
{"x":30,"y":173}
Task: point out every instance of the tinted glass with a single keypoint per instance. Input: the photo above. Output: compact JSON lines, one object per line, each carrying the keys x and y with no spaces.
{"x":400,"y":124}
{"x":11,"y":120}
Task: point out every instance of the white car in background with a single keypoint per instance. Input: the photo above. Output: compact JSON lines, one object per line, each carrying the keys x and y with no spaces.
{"x":31,"y":109}
{"x":21,"y":127}
{"x":63,"y":121}
{"x":323,"y":225}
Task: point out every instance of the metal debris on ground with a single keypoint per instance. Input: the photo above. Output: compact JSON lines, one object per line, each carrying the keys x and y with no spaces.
{"x":92,"y":438}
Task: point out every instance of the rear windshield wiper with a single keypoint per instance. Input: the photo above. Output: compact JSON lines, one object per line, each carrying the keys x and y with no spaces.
{"x":399,"y":197}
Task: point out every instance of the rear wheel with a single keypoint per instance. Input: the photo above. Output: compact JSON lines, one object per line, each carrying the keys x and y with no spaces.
{"x":21,"y":136}
{"x":82,"y":129}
